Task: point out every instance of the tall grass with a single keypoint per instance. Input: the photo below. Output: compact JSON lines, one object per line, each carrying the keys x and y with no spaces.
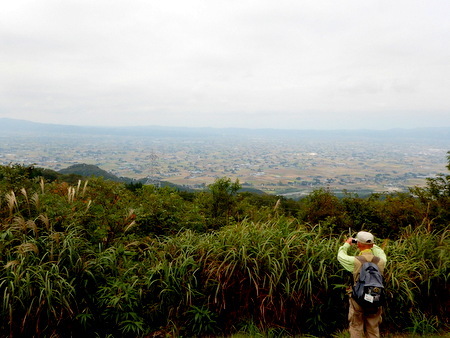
{"x":42,"y":269}
{"x":283,"y":274}
{"x":417,"y":275}
{"x":72,"y":266}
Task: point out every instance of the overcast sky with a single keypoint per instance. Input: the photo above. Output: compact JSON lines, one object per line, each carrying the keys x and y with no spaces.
{"x":297,"y":64}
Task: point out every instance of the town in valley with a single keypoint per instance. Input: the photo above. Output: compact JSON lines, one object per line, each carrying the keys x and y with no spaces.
{"x":290,"y":165}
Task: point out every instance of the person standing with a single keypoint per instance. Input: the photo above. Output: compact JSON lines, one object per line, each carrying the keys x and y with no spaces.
{"x":362,"y":320}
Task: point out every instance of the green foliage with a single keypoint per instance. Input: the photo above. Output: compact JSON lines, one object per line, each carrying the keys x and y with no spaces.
{"x":321,"y":206}
{"x":435,"y":199}
{"x":15,"y":177}
{"x":422,"y":325}
{"x":220,"y":202}
{"x":202,"y":320}
{"x":365,"y":213}
{"x":88,"y":170}
{"x":417,"y":274}
{"x":134,"y":186}
{"x":44,"y":273}
{"x":162,"y":211}
{"x":102,"y":258}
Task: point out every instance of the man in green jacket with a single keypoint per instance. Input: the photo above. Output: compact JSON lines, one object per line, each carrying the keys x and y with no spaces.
{"x":359,"y":319}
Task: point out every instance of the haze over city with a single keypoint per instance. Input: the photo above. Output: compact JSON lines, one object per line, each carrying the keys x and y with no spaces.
{"x":252,"y":64}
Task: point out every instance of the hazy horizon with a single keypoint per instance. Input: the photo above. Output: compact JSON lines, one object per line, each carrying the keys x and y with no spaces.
{"x":19,"y":123}
{"x":269,"y":160}
{"x":249,"y":64}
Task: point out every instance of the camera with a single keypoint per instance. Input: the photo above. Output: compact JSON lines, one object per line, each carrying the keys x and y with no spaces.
{"x":354,"y":241}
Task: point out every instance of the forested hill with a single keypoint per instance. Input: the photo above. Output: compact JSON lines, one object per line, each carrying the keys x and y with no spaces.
{"x":22,"y":127}
{"x":88,"y":170}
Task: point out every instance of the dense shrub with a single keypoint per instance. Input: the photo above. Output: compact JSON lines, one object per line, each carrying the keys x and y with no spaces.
{"x":97,"y":258}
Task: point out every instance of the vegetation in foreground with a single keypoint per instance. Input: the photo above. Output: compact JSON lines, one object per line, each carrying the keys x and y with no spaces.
{"x":99,"y":258}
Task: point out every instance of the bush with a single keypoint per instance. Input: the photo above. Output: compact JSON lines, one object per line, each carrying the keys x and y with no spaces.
{"x":97,"y":258}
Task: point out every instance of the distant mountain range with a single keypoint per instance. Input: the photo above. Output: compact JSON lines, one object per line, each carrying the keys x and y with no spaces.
{"x":27,"y":128}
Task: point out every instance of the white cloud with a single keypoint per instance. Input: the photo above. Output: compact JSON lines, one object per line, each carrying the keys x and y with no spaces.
{"x":289,"y":64}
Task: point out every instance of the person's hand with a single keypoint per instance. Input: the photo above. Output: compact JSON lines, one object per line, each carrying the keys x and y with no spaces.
{"x":349,"y":241}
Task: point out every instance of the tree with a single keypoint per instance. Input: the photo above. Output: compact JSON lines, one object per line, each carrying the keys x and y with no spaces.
{"x":322,"y":206}
{"x":436,"y":198}
{"x":221,"y":201}
{"x":17,"y":176}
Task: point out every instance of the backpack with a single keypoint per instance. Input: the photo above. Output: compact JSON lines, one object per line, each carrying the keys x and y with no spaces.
{"x":368,"y":290}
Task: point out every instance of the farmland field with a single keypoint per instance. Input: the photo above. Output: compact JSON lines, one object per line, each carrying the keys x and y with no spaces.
{"x":280,"y":165}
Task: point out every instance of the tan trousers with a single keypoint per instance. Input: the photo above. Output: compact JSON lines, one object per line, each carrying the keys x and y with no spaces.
{"x":360,"y":322}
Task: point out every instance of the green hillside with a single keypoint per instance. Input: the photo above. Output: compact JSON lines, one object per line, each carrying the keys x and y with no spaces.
{"x":89,"y":170}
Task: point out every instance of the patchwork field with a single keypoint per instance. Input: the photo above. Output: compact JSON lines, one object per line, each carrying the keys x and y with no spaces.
{"x":290,"y":165}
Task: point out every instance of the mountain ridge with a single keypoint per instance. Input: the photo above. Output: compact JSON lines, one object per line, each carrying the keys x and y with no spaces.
{"x":10,"y":126}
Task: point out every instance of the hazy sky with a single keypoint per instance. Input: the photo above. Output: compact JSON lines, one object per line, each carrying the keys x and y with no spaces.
{"x":237,"y":63}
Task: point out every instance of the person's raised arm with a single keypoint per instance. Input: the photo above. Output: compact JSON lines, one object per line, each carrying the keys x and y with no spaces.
{"x":347,"y":261}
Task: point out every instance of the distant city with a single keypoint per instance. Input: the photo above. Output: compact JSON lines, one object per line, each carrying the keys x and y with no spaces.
{"x":283,"y":162}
